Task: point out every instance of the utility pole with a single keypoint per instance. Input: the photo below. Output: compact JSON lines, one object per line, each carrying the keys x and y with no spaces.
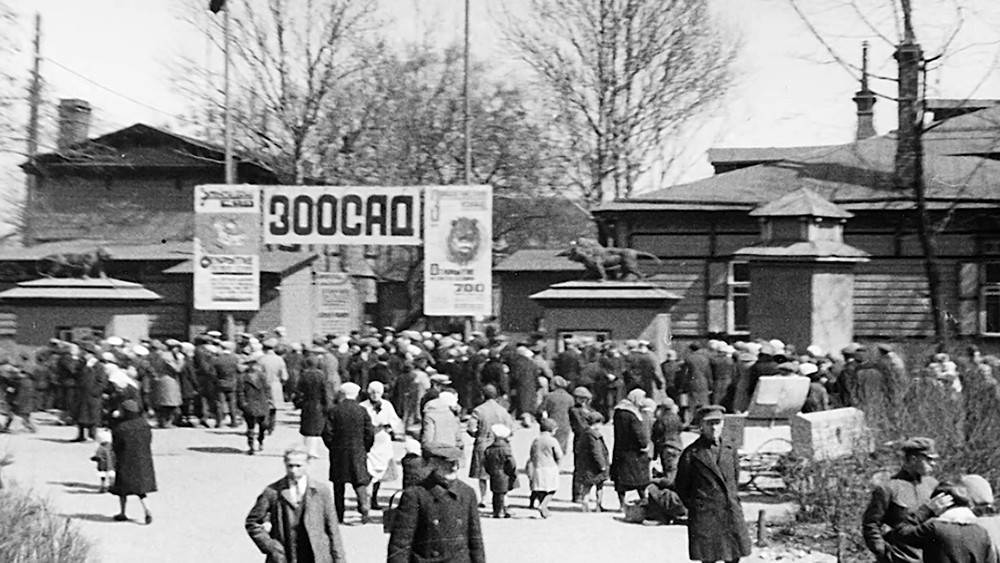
{"x":230,"y":169}
{"x":465,"y":102}
{"x":34,"y":101}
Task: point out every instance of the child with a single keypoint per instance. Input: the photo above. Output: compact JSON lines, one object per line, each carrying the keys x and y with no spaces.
{"x":543,"y":466}
{"x":498,"y":461}
{"x":105,"y":458}
{"x":413,"y":463}
{"x":591,"y":463}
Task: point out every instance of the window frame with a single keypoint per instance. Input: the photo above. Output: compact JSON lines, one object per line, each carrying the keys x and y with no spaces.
{"x":733,"y":286}
{"x":987,"y":288}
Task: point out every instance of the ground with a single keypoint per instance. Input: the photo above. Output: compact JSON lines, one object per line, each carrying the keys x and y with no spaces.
{"x":207,"y":483}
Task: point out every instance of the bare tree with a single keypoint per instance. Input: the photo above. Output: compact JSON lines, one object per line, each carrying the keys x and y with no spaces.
{"x":622,"y":78}
{"x":290,"y":59}
{"x":913,"y":66}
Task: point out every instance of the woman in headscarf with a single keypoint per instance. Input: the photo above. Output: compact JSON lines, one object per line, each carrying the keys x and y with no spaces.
{"x":386,"y":423}
{"x":131,"y":441}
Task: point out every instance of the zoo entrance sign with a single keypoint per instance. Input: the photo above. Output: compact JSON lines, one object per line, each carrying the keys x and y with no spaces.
{"x":453,"y":223}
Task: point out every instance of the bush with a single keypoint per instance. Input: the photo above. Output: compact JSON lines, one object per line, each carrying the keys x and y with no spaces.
{"x":965,"y":426}
{"x":31,"y":531}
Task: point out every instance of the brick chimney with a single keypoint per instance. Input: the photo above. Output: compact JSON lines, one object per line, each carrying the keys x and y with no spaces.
{"x":865,"y":100}
{"x":74,"y":122}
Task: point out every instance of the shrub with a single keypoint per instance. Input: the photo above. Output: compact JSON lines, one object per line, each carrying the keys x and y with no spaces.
{"x":31,"y":531}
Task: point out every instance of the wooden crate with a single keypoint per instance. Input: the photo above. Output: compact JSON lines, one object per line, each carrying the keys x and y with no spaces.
{"x":830,"y":434}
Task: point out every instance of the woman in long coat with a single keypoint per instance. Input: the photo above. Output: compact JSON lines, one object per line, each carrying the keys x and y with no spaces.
{"x":165,"y":390}
{"x":89,"y":386}
{"x":310,"y":396}
{"x":630,"y":453}
{"x":131,"y":440}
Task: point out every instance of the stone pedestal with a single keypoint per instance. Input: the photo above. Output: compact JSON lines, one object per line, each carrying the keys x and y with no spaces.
{"x":622,"y":310}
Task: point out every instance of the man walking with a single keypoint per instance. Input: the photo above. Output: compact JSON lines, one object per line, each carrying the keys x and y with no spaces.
{"x":437,"y":520}
{"x":707,"y":476}
{"x":253,"y":395}
{"x":349,"y":435}
{"x":893,"y":502}
{"x":300,"y":513}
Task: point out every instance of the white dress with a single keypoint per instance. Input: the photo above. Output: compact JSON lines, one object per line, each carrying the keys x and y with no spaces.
{"x":381,"y":456}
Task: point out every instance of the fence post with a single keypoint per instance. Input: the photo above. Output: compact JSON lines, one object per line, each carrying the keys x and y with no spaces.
{"x":761,"y":528}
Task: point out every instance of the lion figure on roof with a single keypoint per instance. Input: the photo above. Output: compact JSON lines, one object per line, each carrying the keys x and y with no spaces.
{"x":73,"y":264}
{"x":607,"y":263}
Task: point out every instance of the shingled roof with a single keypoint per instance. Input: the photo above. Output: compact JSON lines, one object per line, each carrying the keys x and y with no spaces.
{"x":801,"y":203}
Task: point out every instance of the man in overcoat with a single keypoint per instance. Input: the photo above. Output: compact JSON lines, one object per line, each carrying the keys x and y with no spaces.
{"x":227,"y":372}
{"x":697,"y":378}
{"x":892,"y":503}
{"x":524,"y":382}
{"x":299,"y":509}
{"x":707,"y":477}
{"x":437,"y":520}
{"x":349,"y":435}
{"x":483,"y":418}
{"x":89,"y":388}
{"x":253,"y":395}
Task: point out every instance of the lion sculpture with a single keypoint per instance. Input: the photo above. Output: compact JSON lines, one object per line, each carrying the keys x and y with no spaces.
{"x":73,"y":264}
{"x":607,"y":263}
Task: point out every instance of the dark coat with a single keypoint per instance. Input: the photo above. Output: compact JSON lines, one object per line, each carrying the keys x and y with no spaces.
{"x":568,"y":364}
{"x":275,"y":506}
{"x":89,"y":386}
{"x":313,"y":401}
{"x":204,"y":370}
{"x":672,"y":371}
{"x":723,"y":374}
{"x":227,"y":371}
{"x":524,"y":379}
{"x":892,"y":504}
{"x":591,"y":465}
{"x":349,"y":435}
{"x":630,"y":455}
{"x":437,"y":522}
{"x":716,"y":529}
{"x":642,"y":372}
{"x":132,"y":441}
{"x":253,"y":393}
{"x":697,"y":377}
{"x":25,"y":399}
{"x":556,"y":406}
{"x":498,"y":461}
{"x":495,"y":373}
{"x":949,"y":542}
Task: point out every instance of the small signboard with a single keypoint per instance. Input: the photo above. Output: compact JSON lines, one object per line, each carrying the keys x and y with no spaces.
{"x":336,"y":304}
{"x":226,"y":246}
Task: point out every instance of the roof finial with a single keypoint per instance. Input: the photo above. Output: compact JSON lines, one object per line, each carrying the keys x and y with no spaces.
{"x":864,"y":66}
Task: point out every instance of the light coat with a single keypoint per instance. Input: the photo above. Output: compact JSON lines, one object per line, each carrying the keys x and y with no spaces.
{"x":276,"y":506}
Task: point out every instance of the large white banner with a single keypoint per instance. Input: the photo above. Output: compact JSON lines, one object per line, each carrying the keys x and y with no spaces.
{"x":381,"y":215}
{"x":226,"y":247}
{"x":458,"y":249}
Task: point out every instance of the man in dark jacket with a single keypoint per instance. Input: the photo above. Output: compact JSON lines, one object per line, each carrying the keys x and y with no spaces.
{"x":697,"y":378}
{"x":227,"y":371}
{"x":349,"y":435}
{"x":89,"y":386}
{"x":723,"y":373}
{"x":892,"y":503}
{"x":303,"y":523}
{"x":707,"y":476}
{"x":437,"y":520}
{"x":253,"y":394}
{"x":204,"y":373}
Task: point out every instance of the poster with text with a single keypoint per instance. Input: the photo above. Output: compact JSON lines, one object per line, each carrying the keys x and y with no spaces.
{"x":335,"y":305}
{"x":226,"y":248}
{"x":458,"y":251}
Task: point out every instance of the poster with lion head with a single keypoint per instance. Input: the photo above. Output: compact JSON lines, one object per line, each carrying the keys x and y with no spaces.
{"x":458,"y":234}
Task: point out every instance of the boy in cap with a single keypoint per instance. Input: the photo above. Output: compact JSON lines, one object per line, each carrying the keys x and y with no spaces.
{"x":893,"y":502}
{"x":437,"y":520}
{"x":707,"y":483}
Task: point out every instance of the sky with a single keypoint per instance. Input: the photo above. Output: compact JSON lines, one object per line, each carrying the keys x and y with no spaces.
{"x":117,"y":53}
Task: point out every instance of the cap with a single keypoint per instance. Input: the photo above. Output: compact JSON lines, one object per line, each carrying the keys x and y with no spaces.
{"x":115,"y":341}
{"x":884,"y":347}
{"x":440,"y":378}
{"x":979,"y":489}
{"x":270,"y":343}
{"x":808,"y":368}
{"x":442,"y":451}
{"x":920,"y":445}
{"x":500,"y":430}
{"x":746,"y":357}
{"x":583,"y":393}
{"x":594,"y":417}
{"x":559,"y":382}
{"x":350,"y":390}
{"x":172,"y":343}
{"x":791,"y":367}
{"x":852,"y":348}
{"x":214,"y":334}
{"x":710,"y":412}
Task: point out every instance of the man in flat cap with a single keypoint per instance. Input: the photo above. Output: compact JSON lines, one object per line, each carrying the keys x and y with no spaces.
{"x":707,"y":477}
{"x":894,"y":501}
{"x":437,"y":520}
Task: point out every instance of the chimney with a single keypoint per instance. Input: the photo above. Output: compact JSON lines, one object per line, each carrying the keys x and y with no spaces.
{"x":865,"y":100}
{"x":74,"y":122}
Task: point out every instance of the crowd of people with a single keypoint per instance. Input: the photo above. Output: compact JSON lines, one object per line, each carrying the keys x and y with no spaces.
{"x":357,"y":394}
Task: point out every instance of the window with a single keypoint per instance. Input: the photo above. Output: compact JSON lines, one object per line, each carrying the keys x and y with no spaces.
{"x":738,"y":298}
{"x":990,"y":297}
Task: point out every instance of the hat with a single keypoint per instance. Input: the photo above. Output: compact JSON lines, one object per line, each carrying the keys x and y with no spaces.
{"x":594,"y":417}
{"x":583,"y":393}
{"x":808,"y":368}
{"x":852,"y":348}
{"x":441,"y":378}
{"x":710,"y":412}
{"x":109,"y":357}
{"x":547,"y":425}
{"x":791,"y":367}
{"x":350,"y":390}
{"x":884,"y":347}
{"x":172,"y":343}
{"x":270,"y":343}
{"x":214,"y":334}
{"x":814,"y":351}
{"x":560,"y":382}
{"x":631,"y":344}
{"x":115,"y":341}
{"x":131,"y":406}
{"x":140,"y":350}
{"x":746,"y":357}
{"x":412,"y":446}
{"x":442,"y":451}
{"x":500,"y":430}
{"x":979,"y":489}
{"x":920,"y":445}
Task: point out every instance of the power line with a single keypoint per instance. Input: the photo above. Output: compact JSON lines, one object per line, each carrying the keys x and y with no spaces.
{"x":121,"y":95}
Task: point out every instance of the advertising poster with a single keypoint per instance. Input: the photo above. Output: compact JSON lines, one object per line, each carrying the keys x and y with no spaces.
{"x":336,"y":305}
{"x":383,"y":215}
{"x":226,"y":247}
{"x":458,"y":251}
